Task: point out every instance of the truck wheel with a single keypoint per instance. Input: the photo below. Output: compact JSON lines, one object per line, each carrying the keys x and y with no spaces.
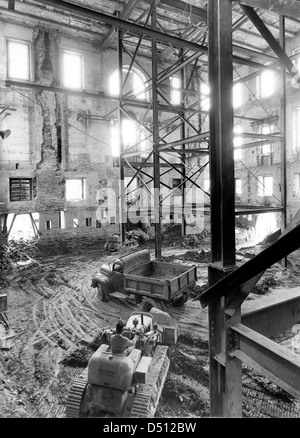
{"x":181,"y":300}
{"x":101,"y":294}
{"x":148,"y":303}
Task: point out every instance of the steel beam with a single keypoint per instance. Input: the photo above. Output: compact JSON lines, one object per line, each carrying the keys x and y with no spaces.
{"x":121,"y":143}
{"x":200,"y":14}
{"x":286,"y":244}
{"x":254,"y":144}
{"x":193,"y":139}
{"x":196,"y":151}
{"x":156,"y":163}
{"x":126,"y":102}
{"x":122,"y":24}
{"x":129,"y":7}
{"x":268,"y":36}
{"x":221,"y":136}
{"x":273,"y":314}
{"x":197,"y":13}
{"x":225,"y":380}
{"x":183,"y":155}
{"x":138,"y":30}
{"x":256,"y":210}
{"x":282,"y":7}
{"x":176,"y":167}
{"x":277,"y":360}
{"x":283,"y":129}
{"x":180,"y":111}
{"x":270,"y":137}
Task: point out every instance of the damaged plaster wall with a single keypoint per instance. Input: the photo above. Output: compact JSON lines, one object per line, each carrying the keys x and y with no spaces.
{"x":56,"y":138}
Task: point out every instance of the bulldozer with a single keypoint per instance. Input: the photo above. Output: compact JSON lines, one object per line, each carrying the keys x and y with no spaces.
{"x":120,"y":385}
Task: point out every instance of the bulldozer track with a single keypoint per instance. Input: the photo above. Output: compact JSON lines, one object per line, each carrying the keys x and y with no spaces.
{"x":147,"y":395}
{"x":75,"y":395}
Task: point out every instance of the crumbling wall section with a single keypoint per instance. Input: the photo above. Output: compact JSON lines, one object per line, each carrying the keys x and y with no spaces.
{"x":54,"y":142}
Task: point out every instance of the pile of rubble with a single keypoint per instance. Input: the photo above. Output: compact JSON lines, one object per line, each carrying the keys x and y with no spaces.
{"x":18,"y":254}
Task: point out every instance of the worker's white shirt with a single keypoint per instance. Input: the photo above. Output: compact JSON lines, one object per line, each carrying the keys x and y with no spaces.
{"x":119,"y":343}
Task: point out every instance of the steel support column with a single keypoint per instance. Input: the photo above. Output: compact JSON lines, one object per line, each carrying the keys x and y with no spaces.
{"x":122,"y":215}
{"x":225,"y":380}
{"x":283,"y":122}
{"x":156,"y":164}
{"x":183,"y":136}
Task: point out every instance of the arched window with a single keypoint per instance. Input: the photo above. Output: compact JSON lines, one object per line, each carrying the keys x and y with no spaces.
{"x":135,"y":83}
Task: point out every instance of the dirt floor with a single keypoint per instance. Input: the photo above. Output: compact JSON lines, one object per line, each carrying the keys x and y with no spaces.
{"x":58,"y":318}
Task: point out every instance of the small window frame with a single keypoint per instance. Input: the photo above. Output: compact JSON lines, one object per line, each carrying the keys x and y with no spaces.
{"x":22,"y":189}
{"x":66,"y":51}
{"x":10,"y":74}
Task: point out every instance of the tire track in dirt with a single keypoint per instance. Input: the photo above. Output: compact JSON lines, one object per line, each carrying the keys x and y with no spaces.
{"x":68,"y":312}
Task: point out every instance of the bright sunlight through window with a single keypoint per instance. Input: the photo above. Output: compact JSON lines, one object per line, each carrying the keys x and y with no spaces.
{"x":72,"y":70}
{"x":135,"y":83}
{"x":18,"y":60}
{"x":75,"y":189}
{"x":266,"y":84}
{"x":129,"y":136}
{"x":237,"y":95}
{"x":175,"y":92}
{"x":237,"y":141}
{"x":204,"y":96}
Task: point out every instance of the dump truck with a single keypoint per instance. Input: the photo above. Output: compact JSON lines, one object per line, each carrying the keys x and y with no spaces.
{"x":151,"y":282}
{"x":126,"y":385}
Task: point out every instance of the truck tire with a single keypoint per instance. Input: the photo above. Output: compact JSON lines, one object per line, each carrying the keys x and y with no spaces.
{"x":148,"y":303}
{"x":102,"y":294}
{"x":181,"y":300}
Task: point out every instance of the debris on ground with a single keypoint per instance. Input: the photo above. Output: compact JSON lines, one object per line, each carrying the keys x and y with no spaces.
{"x":59,"y":319}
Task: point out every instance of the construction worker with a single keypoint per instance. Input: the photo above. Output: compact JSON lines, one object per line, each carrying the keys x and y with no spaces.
{"x":120,"y":343}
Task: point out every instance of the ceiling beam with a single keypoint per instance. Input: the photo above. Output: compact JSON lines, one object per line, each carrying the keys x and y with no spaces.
{"x":268,"y":36}
{"x":124,"y":14}
{"x":134,"y":103}
{"x":139,"y":30}
{"x":200,"y":14}
{"x":289,"y":8}
{"x":125,"y":25}
{"x":191,"y":10}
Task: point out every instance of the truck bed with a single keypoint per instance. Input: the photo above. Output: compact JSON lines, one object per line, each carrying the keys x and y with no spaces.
{"x":159,"y":279}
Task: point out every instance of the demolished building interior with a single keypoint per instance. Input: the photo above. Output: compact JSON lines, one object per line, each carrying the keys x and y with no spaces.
{"x":161,"y":111}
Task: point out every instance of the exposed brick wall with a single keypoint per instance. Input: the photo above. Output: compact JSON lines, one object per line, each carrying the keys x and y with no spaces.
{"x":49,"y":140}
